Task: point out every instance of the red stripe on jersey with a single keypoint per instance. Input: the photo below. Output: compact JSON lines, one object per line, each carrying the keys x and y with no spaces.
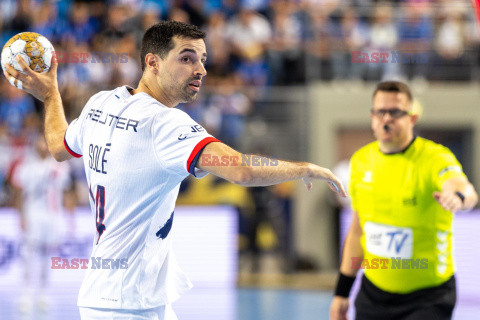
{"x":73,"y":153}
{"x":198,"y":148}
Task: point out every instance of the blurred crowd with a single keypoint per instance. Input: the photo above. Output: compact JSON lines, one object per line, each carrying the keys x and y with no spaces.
{"x":252,"y":45}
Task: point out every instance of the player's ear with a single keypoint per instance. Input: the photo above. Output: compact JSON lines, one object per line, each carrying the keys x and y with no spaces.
{"x":152,"y":62}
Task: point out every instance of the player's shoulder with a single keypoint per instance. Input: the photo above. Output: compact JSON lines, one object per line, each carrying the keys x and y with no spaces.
{"x":172,"y":116}
{"x":121,"y":94}
{"x":96,"y":100}
{"x":152,"y":108}
{"x":100,"y":95}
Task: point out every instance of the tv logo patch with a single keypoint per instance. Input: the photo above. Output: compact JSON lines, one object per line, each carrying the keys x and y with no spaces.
{"x":388,"y":241}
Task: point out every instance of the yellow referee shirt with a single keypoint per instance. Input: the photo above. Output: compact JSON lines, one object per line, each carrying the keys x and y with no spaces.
{"x":407,"y":235}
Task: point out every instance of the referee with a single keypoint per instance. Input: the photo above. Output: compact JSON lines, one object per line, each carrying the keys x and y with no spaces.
{"x":404,"y":190}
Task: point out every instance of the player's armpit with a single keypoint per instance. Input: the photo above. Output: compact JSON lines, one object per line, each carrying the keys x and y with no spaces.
{"x":224,"y":162}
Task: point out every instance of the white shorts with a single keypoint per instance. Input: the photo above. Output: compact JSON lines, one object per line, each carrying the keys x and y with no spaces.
{"x":160,"y":313}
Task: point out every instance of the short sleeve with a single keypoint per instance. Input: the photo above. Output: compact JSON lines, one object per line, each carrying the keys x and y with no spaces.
{"x":445,"y":166}
{"x":178,"y":141}
{"x":73,"y":139}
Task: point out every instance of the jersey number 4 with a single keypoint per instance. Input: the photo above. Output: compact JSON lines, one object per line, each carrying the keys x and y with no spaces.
{"x":100,"y":210}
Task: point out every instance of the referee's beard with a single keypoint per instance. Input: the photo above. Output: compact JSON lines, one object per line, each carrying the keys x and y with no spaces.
{"x":392,"y":138}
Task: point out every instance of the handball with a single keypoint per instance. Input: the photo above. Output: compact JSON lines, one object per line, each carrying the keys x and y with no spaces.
{"x":32,"y":47}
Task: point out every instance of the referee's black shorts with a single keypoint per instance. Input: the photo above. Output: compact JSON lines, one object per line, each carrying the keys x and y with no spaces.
{"x":435,"y":303}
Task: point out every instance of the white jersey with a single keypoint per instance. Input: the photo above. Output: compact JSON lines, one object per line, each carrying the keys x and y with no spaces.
{"x":42,"y":182}
{"x":136,"y":152}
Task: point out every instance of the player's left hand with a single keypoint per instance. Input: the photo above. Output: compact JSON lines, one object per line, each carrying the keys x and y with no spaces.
{"x":448,"y":200}
{"x":317,"y":172}
{"x":39,"y":85}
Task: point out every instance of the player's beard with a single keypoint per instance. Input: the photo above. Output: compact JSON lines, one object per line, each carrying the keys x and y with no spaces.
{"x":189,"y":95}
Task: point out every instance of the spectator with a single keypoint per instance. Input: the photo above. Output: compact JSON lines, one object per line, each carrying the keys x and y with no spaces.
{"x":383,"y":37}
{"x":350,"y":34}
{"x":178,"y":14}
{"x":216,"y":42}
{"x":99,"y":73}
{"x":151,"y":14}
{"x":74,"y":77}
{"x":449,"y":61}
{"x":195,"y":11}
{"x":82,"y":27}
{"x":15,"y":107}
{"x":128,"y":67}
{"x":21,"y":21}
{"x":285,"y":55}
{"x":46,"y":20}
{"x":318,"y":45}
{"x":115,"y":27}
{"x":8,"y":9}
{"x":249,"y":34}
{"x":228,"y":101}
{"x":416,"y":35}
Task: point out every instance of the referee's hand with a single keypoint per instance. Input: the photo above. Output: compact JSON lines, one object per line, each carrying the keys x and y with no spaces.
{"x":448,"y":200}
{"x":339,"y":308}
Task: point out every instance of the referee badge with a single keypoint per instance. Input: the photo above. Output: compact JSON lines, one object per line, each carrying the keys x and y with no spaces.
{"x":449,"y":168}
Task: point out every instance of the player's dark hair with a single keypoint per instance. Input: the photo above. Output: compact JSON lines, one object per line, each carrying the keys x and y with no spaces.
{"x":158,"y":38}
{"x":393,"y":86}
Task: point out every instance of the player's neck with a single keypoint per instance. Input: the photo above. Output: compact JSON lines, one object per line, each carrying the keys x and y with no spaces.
{"x":153,"y":90}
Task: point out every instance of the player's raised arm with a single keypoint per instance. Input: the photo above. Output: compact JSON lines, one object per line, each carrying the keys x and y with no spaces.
{"x":232,"y":167}
{"x":44,"y":87}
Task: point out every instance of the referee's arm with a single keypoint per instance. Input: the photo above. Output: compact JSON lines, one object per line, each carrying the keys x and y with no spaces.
{"x":456,"y":194}
{"x":351,"y":261}
{"x":352,"y":249}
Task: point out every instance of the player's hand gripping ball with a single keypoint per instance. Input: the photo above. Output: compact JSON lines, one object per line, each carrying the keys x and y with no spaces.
{"x":33,"y":48}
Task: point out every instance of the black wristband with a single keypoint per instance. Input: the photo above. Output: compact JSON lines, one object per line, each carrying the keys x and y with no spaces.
{"x":344,"y":285}
{"x":461,"y":196}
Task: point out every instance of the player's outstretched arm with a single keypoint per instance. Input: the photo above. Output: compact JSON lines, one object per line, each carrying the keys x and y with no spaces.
{"x":234,"y":169}
{"x":44,"y":87}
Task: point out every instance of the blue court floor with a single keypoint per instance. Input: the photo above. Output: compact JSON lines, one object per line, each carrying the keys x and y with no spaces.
{"x":212,"y":304}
